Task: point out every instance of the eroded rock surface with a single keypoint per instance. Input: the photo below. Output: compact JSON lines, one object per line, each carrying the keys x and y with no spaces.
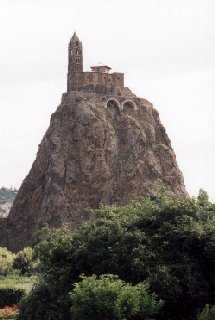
{"x":93,"y":154}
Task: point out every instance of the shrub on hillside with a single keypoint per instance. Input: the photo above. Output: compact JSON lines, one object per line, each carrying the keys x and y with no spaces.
{"x":6,"y":261}
{"x":167,"y":241}
{"x":108,"y":297}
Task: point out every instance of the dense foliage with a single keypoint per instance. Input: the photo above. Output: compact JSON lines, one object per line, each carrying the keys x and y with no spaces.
{"x":45,"y":303}
{"x":108,"y":297}
{"x":165,"y":241}
{"x":24,"y":261}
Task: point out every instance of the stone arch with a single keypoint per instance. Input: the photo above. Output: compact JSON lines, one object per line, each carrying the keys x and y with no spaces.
{"x":113,"y":103}
{"x":129,"y":104}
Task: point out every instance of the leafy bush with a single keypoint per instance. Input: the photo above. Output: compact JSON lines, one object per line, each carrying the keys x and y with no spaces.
{"x":108,"y":297}
{"x":208,"y":313}
{"x":166,"y":241}
{"x":42,"y":303}
{"x":10,"y":296}
{"x":23,"y":261}
{"x":6,"y":261}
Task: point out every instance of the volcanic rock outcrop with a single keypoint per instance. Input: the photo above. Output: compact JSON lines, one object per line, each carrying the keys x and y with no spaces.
{"x":101,"y":147}
{"x":94,"y":153}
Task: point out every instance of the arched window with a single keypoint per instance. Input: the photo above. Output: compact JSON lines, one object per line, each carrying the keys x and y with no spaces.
{"x":114,"y":106}
{"x":129,"y":106}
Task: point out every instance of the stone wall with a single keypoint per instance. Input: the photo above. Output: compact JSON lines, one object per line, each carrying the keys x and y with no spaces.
{"x":97,"y":82}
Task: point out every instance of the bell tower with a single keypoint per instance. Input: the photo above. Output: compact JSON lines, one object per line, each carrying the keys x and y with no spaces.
{"x":75,"y":66}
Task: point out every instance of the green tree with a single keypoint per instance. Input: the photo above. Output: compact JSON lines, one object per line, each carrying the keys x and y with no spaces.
{"x":108,"y":297}
{"x":42,"y":303}
{"x":168,"y":242}
{"x":203,"y":198}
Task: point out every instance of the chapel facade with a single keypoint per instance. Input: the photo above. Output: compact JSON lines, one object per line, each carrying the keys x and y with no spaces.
{"x":98,"y":80}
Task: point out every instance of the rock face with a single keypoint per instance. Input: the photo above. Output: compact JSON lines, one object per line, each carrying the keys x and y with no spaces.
{"x":97,"y":149}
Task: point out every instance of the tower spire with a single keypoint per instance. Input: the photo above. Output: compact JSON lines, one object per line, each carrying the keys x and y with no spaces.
{"x":75,"y":37}
{"x":75,"y":67}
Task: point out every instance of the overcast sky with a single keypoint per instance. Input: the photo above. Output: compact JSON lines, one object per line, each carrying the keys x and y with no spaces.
{"x":166,"y":48}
